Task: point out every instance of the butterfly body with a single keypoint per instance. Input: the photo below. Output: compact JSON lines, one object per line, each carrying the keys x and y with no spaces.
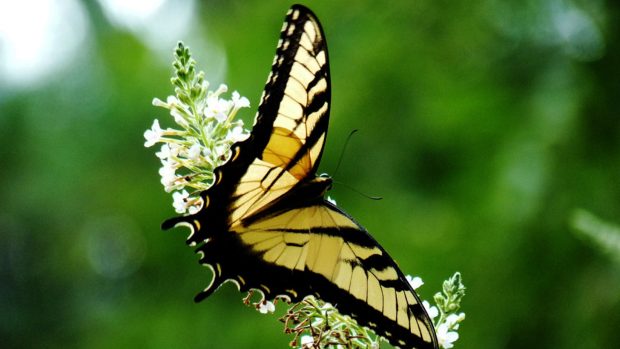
{"x":265,"y":223}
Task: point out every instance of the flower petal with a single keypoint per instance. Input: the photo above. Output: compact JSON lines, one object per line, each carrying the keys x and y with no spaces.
{"x":153,"y":135}
{"x":415,"y":282}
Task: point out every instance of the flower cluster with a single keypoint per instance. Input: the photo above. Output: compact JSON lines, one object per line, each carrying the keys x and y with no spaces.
{"x":444,"y":314}
{"x":316,"y":324}
{"x":207,"y":131}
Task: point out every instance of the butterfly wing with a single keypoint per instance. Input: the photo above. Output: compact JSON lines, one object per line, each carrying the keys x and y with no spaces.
{"x":264,"y":223}
{"x":292,"y":118}
{"x":319,"y":250}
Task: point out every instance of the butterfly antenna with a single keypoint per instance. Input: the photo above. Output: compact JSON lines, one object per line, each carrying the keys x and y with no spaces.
{"x":344,"y":148}
{"x":358,"y":192}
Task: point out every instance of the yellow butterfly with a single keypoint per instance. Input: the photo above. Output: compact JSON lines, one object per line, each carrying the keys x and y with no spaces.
{"x":265,"y":223}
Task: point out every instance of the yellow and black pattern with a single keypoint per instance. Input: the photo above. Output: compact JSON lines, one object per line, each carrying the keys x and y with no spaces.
{"x":265,"y":223}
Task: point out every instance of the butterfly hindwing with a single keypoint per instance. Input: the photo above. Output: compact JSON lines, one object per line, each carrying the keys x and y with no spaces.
{"x":265,"y":224}
{"x":339,"y":262}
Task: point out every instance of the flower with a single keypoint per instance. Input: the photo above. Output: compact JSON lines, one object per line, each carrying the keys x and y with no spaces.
{"x":180,"y":201}
{"x":153,"y":135}
{"x":266,"y":306}
{"x":168,"y":175}
{"x":453,"y":320}
{"x":237,"y":134}
{"x":168,"y":151}
{"x":159,"y":103}
{"x":445,"y":337}
{"x":194,"y":152}
{"x":179,"y":116}
{"x":207,"y":129}
{"x":194,"y":205}
{"x":218,"y":108}
{"x":307,"y":342}
{"x":432,"y":311}
{"x":172,"y":100}
{"x":331,"y":201}
{"x":220,"y":152}
{"x":415,"y":282}
{"x":238,"y":101}
{"x":221,"y":89}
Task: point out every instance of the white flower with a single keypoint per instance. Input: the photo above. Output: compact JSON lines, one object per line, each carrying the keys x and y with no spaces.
{"x":153,"y":135}
{"x":209,"y":130}
{"x":445,"y":337}
{"x":168,"y":166}
{"x":168,"y":151}
{"x":221,"y":89}
{"x":164,"y":152}
{"x":453,"y":320}
{"x":237,"y":134}
{"x":168,"y":175}
{"x":180,"y":201}
{"x":172,"y":100}
{"x":206,"y":152}
{"x":415,"y":282}
{"x":306,"y":342}
{"x":266,"y":306}
{"x":159,"y":103}
{"x":238,"y":101}
{"x":194,"y":152}
{"x":327,"y":306}
{"x":194,"y":205}
{"x":218,"y":108}
{"x":331,"y":201}
{"x":178,"y":116}
{"x":432,"y":311}
{"x":220,"y":151}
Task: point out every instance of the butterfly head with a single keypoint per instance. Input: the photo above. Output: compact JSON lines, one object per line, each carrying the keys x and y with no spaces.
{"x":325,"y":180}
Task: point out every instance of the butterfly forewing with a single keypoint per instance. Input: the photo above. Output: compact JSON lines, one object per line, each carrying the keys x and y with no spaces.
{"x":291,"y":123}
{"x":295,"y":103}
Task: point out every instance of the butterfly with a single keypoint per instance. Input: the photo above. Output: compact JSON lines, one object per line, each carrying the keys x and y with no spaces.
{"x":266,"y":224}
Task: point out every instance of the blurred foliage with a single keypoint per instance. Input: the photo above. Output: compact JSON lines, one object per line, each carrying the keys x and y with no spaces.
{"x":484,"y":124}
{"x":603,"y":235}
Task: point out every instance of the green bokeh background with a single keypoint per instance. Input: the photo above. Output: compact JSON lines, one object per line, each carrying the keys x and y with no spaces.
{"x":483,"y":124}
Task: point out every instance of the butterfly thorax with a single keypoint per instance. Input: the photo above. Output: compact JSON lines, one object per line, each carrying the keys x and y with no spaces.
{"x":322,"y":183}
{"x":306,"y":193}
